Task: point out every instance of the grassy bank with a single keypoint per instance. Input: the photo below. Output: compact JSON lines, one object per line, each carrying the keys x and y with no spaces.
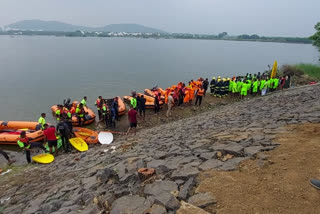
{"x":311,"y":70}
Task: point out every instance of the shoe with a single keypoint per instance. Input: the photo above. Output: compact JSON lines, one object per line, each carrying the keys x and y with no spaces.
{"x":315,"y":183}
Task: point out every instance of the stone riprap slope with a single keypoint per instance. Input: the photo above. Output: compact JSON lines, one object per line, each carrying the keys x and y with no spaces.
{"x":105,"y":179}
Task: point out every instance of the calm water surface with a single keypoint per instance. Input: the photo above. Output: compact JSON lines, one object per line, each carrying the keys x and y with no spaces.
{"x":38,"y":72}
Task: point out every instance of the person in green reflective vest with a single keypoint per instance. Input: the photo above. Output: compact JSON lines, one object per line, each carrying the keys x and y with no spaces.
{"x":275,"y":83}
{"x":244,"y":89}
{"x":80,"y":112}
{"x":42,"y":120}
{"x":133,"y":102}
{"x":239,"y":86}
{"x":255,"y":88}
{"x":84,"y":101}
{"x":262,"y":83}
{"x":59,"y":112}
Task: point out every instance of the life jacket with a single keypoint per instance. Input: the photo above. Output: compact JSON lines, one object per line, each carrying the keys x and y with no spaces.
{"x":25,"y":141}
{"x":200,"y":92}
{"x":98,"y":103}
{"x":80,"y":112}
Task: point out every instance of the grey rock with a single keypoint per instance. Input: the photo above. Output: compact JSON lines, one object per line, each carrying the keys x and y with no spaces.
{"x":232,"y":164}
{"x":167,"y":200}
{"x":184,"y":173}
{"x":156,"y":209}
{"x":130,"y":205}
{"x":208,"y":155}
{"x":210,"y":164}
{"x":106,"y":175}
{"x":158,"y":187}
{"x":186,"y":188}
{"x":202,"y":199}
{"x":129,"y":178}
{"x":229,"y":148}
{"x":253,"y":150}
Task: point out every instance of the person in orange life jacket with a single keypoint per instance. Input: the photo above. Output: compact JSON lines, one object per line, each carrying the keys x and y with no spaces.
{"x":81,"y":114}
{"x":200,"y":94}
{"x":24,"y":143}
{"x":98,"y":103}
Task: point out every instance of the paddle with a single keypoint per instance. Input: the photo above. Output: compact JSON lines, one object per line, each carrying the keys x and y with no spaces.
{"x":84,"y":134}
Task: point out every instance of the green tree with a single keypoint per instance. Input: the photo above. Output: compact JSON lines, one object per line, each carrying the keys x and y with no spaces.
{"x":316,"y":36}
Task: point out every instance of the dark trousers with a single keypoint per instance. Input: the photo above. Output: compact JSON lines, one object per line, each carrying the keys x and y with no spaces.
{"x":156,"y":108}
{"x":79,"y":120}
{"x":4,"y":154}
{"x":117,"y":113}
{"x":205,"y":91}
{"x":199,"y":98}
{"x":100,"y":114}
{"x":65,"y":143}
{"x":33,"y":145}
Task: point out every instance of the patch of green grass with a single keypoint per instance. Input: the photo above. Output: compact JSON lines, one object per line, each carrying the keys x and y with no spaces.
{"x":310,"y":69}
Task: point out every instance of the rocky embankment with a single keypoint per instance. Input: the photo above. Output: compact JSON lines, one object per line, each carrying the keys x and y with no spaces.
{"x":105,"y":180}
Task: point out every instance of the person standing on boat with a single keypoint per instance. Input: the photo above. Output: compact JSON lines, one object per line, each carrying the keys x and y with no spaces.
{"x":24,"y":142}
{"x":84,"y":101}
{"x":59,"y":112}
{"x":42,"y":121}
{"x":98,"y":103}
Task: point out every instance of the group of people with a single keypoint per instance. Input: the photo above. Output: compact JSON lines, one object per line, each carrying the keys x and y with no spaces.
{"x":108,"y":109}
{"x":252,"y":84}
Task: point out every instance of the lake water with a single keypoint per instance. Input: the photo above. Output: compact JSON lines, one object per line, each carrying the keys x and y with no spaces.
{"x":38,"y":72}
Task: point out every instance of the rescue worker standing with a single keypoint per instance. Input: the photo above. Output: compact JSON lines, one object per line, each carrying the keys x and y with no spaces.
{"x":212,"y":85}
{"x":115,"y":105}
{"x":133,"y":102}
{"x":98,"y":103}
{"x":65,"y":133}
{"x":200,"y":94}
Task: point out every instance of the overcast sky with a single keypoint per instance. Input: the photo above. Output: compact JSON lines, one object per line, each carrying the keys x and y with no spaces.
{"x":263,"y":17}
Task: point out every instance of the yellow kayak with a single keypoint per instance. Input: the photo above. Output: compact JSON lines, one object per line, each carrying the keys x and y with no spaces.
{"x":43,"y":158}
{"x":79,"y":144}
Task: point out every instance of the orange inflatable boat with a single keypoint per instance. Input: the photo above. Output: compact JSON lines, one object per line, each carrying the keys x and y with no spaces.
{"x":10,"y":131}
{"x":88,"y":135}
{"x":149,"y":100}
{"x":153,"y":93}
{"x":90,"y":115}
{"x":122,"y":106}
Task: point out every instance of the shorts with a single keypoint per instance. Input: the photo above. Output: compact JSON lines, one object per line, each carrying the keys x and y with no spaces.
{"x":52,"y":143}
{"x":133,"y":125}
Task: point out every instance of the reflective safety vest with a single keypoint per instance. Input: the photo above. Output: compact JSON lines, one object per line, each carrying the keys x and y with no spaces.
{"x":58,"y":113}
{"x":80,"y":112}
{"x":133,"y":102}
{"x":104,"y":109}
{"x":275,"y":83}
{"x":42,"y":121}
{"x":262,"y":83}
{"x":98,"y":104}
{"x":84,"y":102}
{"x":200,"y":92}
{"x":23,"y":142}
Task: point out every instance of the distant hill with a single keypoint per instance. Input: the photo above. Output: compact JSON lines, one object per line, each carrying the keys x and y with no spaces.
{"x":40,"y":25}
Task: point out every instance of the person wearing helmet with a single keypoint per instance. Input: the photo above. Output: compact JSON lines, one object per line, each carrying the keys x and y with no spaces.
{"x":218,"y":88}
{"x":212,"y":85}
